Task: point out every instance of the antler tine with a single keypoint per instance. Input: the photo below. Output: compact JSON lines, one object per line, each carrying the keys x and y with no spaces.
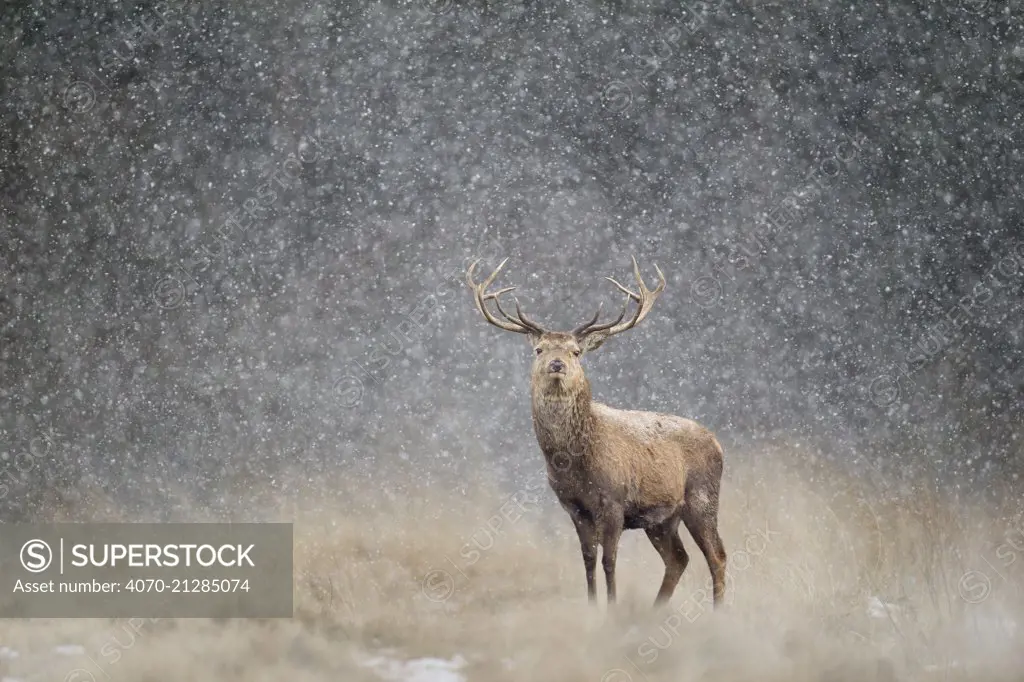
{"x":661,"y":278}
{"x":494,"y":275}
{"x":640,"y":280}
{"x":623,"y":289}
{"x":586,"y":325}
{"x":497,"y":304}
{"x":498,"y":293}
{"x":481,"y":296}
{"x":520,"y":319}
{"x":609,"y":325}
{"x":525,"y":320}
{"x":644,"y":300}
{"x":591,"y":327}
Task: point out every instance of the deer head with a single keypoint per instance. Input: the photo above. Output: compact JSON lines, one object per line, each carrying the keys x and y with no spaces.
{"x":557,"y":354}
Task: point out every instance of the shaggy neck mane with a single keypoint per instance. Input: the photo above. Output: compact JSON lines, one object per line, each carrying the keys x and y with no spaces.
{"x":562,"y":417}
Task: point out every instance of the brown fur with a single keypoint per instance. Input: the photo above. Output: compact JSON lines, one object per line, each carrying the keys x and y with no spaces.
{"x":614,"y":470}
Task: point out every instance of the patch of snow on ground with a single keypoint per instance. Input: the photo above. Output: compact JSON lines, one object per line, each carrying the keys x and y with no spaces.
{"x":416,"y":670}
{"x":880,"y":609}
{"x":69,"y":649}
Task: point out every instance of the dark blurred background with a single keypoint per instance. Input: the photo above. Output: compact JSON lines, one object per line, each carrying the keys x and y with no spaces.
{"x":234,"y":234}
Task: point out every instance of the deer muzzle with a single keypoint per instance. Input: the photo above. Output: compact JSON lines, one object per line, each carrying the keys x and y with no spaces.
{"x":556,"y":366}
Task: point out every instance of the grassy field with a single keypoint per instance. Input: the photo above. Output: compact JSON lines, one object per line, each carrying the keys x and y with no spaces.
{"x":826,"y":582}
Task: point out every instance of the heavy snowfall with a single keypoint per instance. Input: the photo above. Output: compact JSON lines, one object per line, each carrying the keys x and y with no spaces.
{"x":234,"y":239}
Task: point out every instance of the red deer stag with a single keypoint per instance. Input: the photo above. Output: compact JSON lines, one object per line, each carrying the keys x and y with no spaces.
{"x":614,"y":470}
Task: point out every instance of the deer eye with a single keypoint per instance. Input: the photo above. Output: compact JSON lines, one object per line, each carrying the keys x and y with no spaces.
{"x":577,"y":352}
{"x":539,"y":351}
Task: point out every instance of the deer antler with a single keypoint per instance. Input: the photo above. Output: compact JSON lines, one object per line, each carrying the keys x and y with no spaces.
{"x":520,"y":324}
{"x":644,"y":300}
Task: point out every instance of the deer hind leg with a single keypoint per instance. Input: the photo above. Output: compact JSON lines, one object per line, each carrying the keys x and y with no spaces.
{"x":666,"y":540}
{"x":700,"y":514}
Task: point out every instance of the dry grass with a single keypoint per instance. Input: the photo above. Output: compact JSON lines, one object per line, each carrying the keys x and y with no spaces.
{"x":826,"y":582}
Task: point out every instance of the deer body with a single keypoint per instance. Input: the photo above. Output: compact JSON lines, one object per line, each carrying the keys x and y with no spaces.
{"x":615,"y":470}
{"x":638,"y":461}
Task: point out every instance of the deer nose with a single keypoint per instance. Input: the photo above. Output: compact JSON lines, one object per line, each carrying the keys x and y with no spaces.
{"x":556,"y":365}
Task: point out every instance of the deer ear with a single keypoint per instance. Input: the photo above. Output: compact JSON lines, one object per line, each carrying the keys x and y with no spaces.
{"x":592,"y":341}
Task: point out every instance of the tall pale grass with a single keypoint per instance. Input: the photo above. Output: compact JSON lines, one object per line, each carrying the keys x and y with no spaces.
{"x":828,"y":580}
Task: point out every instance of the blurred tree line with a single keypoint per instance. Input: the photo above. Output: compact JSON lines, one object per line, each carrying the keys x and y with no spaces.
{"x":219,"y":219}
